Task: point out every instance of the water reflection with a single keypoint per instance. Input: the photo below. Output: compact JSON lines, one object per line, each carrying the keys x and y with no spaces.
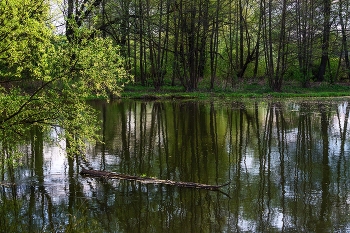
{"x":287,"y":162}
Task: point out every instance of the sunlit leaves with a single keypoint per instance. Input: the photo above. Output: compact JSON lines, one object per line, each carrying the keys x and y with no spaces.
{"x":45,"y":79}
{"x":92,"y":66}
{"x":24,"y":38}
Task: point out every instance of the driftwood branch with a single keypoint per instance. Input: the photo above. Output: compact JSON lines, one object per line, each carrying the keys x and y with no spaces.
{"x":149,"y":180}
{"x":7,"y":185}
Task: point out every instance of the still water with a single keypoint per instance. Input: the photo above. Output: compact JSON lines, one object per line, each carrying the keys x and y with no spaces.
{"x":288,"y":164}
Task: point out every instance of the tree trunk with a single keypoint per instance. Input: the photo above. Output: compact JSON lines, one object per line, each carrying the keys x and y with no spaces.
{"x":344,"y":36}
{"x":214,"y":43}
{"x":325,"y":40}
{"x":69,"y":20}
{"x":282,"y":52}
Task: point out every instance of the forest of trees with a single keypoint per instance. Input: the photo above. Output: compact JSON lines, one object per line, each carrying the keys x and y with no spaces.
{"x":189,"y":43}
{"x":222,"y":42}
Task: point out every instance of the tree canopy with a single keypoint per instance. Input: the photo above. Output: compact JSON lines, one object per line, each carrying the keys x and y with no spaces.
{"x":45,"y":79}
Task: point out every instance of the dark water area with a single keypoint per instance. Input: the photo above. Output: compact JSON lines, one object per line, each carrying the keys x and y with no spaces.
{"x":287,"y":163}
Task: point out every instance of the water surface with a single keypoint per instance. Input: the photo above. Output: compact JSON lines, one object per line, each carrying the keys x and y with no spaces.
{"x":287,"y":163}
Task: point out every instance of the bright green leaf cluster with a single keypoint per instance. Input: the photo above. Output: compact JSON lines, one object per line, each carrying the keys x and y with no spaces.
{"x":45,"y":79}
{"x":91,"y":66}
{"x":24,"y":38}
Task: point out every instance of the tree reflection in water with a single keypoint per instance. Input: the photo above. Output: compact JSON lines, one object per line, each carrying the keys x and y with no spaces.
{"x":287,"y":163}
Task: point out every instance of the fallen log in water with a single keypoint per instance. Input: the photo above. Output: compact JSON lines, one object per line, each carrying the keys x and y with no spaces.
{"x":149,"y":180}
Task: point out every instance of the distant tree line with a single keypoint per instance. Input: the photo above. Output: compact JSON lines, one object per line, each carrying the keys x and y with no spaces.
{"x":188,"y":42}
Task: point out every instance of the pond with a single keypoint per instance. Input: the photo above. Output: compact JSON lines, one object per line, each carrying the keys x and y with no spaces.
{"x":287,"y":163}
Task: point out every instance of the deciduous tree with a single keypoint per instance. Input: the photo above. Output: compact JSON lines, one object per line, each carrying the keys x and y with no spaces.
{"x":45,"y":78}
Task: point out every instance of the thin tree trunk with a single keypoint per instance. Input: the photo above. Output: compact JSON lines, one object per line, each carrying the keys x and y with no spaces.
{"x":69,"y":21}
{"x":325,"y":40}
{"x":344,"y":36}
{"x":214,"y":46}
{"x":257,"y":47}
{"x":281,"y":55}
{"x":241,"y":38}
{"x":141,"y":42}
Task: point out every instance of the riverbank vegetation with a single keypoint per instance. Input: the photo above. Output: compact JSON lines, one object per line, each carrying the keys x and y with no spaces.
{"x":223,"y":43}
{"x":245,"y":90}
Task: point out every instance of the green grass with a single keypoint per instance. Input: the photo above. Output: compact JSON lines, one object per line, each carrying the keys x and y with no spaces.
{"x":249,"y":90}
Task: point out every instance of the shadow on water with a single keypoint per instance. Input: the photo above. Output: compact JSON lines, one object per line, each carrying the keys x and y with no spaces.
{"x":286,"y":163}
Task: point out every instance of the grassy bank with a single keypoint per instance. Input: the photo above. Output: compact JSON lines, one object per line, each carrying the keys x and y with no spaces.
{"x":248,"y":90}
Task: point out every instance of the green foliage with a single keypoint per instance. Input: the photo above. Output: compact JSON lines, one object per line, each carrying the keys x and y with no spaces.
{"x":24,"y":38}
{"x":90,"y":66}
{"x":45,"y":79}
{"x":331,"y":71}
{"x":205,"y":42}
{"x":295,"y":73}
